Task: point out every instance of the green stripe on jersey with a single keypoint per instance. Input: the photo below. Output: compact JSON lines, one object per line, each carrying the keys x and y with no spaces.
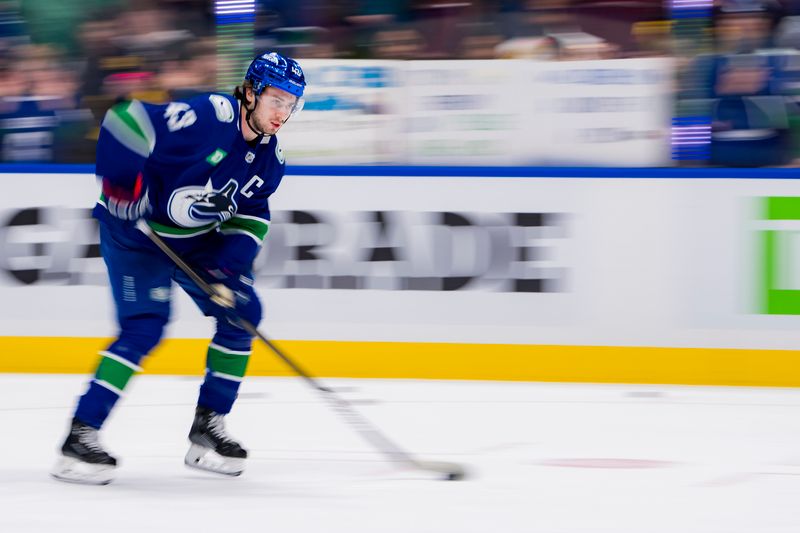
{"x":129,"y":123}
{"x":180,"y":233}
{"x":114,"y":372}
{"x":224,"y":362}
{"x":254,"y":227}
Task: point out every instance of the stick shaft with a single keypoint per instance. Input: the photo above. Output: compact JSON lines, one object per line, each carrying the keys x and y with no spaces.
{"x":380,"y":441}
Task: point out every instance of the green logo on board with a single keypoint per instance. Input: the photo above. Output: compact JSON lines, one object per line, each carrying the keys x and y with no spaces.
{"x":779,"y":245}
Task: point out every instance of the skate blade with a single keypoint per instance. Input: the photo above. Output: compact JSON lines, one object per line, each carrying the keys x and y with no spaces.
{"x":208,"y":460}
{"x":71,"y":470}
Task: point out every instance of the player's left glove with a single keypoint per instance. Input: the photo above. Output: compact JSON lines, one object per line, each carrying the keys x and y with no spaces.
{"x":126,"y":204}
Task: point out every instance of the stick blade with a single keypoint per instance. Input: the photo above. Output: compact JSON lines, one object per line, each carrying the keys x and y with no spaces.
{"x":448,"y":471}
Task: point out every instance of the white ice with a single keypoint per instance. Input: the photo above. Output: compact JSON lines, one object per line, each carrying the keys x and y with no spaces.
{"x":547,"y":458}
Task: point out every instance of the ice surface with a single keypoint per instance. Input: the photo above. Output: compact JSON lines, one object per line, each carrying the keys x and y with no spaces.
{"x":544,"y":458}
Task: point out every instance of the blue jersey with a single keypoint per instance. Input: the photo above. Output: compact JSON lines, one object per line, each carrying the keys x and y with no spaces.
{"x":27,"y":125}
{"x":208,"y":188}
{"x":749,"y":107}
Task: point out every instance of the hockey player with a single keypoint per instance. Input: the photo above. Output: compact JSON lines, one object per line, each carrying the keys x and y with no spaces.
{"x":199,"y":172}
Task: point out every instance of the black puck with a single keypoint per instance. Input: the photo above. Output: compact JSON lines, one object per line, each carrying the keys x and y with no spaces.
{"x":454,"y":476}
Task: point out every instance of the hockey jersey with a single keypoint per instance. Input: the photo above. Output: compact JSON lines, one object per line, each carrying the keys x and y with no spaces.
{"x":208,"y":188}
{"x":749,"y":105}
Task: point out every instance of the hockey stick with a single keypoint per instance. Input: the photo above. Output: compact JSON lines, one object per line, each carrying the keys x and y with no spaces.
{"x":382,"y":443}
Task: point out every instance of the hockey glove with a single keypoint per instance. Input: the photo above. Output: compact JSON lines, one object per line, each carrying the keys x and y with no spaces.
{"x":230,"y":288}
{"x":223,"y":297}
{"x":125,"y":204}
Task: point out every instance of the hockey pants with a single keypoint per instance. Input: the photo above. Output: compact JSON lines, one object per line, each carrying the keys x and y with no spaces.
{"x":141,"y":283}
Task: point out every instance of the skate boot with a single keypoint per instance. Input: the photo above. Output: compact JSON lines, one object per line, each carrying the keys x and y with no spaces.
{"x":83,"y":459}
{"x":212,"y":449}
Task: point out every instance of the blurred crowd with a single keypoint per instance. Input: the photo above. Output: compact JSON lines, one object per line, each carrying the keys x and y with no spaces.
{"x":64,"y":62}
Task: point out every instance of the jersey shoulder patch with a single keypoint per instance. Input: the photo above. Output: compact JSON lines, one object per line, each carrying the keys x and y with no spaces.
{"x":222,"y":107}
{"x":279,"y":152}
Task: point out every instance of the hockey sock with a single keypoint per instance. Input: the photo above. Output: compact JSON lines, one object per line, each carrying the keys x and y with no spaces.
{"x":226,"y":368}
{"x":111,"y":377}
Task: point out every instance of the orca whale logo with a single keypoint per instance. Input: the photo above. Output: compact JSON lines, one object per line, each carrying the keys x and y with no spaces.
{"x":195,"y":206}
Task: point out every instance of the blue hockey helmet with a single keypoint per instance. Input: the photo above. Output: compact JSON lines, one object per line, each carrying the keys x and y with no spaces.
{"x":273,"y":69}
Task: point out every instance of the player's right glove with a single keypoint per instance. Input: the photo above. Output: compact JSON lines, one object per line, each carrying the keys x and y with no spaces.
{"x":223,"y":296}
{"x":126,"y":204}
{"x":229,"y":287}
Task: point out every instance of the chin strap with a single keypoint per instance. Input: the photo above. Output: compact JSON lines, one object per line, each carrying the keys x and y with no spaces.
{"x":249,"y":113}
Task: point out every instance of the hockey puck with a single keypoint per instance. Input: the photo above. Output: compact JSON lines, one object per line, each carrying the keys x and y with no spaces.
{"x":454,"y":476}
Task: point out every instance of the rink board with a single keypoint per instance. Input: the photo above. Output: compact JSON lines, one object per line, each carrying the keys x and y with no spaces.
{"x":591,"y":275}
{"x":484,"y":112}
{"x":587,"y":364}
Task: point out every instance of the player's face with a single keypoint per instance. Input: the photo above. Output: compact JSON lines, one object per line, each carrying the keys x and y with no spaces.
{"x":274,"y":108}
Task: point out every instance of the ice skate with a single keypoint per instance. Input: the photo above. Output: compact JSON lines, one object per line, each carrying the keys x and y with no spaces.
{"x":83,"y":459}
{"x":212,"y":449}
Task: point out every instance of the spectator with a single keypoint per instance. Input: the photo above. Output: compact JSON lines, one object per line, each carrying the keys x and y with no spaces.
{"x":748,"y":108}
{"x":41,"y":117}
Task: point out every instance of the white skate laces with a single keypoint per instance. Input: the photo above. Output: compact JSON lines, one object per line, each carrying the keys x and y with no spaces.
{"x":216,"y":426}
{"x":88,"y":437}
